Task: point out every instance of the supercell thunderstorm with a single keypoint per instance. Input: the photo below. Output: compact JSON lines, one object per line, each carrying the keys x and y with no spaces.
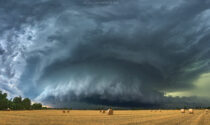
{"x":122,"y":53}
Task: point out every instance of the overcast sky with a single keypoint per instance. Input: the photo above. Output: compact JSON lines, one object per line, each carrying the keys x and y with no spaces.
{"x":105,"y":52}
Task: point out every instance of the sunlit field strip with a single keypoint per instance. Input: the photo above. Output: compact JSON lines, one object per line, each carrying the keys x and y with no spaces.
{"x":94,"y":117}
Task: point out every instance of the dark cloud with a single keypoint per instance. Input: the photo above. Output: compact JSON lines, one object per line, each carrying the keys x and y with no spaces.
{"x":111,"y":52}
{"x":1,"y":51}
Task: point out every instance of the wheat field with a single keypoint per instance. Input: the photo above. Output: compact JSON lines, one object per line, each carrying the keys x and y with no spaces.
{"x":94,"y":117}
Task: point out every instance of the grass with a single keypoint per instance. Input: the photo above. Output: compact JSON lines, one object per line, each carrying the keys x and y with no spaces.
{"x":94,"y":117}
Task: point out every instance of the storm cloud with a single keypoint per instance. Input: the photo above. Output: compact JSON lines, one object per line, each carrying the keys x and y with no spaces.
{"x":110,"y":52}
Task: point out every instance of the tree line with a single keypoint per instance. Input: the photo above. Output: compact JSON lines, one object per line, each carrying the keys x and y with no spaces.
{"x":17,"y":103}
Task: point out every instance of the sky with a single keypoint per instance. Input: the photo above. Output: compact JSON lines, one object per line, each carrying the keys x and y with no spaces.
{"x":79,"y":53}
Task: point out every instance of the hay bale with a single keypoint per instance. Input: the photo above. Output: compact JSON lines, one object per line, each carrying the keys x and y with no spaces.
{"x":191,"y":111}
{"x":206,"y":110}
{"x":64,"y":111}
{"x":182,"y":111}
{"x":67,"y":111}
{"x":110,"y":112}
{"x":103,"y":111}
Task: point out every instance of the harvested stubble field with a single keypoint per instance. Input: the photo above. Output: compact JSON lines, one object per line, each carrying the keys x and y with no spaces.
{"x":94,"y":117}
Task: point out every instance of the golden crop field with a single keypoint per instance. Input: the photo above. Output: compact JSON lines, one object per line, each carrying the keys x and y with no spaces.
{"x":94,"y":117}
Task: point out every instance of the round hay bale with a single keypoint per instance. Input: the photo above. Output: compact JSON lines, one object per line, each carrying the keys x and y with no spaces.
{"x":182,"y":111}
{"x":103,"y":111}
{"x":110,"y":112}
{"x":64,"y":111}
{"x":191,"y":111}
{"x":67,"y":111}
{"x":206,"y":110}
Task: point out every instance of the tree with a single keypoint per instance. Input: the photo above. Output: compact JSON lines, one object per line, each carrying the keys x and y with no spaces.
{"x":3,"y":101}
{"x":26,"y":103}
{"x":10,"y":104}
{"x":37,"y":106}
{"x":17,"y":103}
